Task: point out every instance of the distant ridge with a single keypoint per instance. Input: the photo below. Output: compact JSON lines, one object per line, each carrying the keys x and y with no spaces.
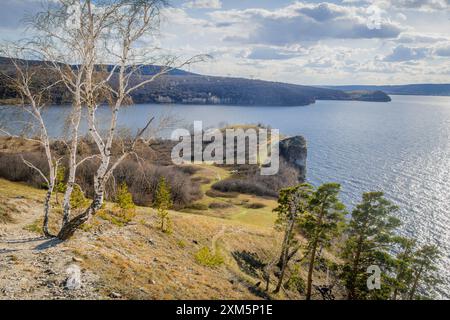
{"x":408,"y":89}
{"x":182,"y":87}
{"x":146,"y":70}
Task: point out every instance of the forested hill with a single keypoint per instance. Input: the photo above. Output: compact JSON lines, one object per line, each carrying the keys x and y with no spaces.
{"x":183,"y":87}
{"x":409,"y":89}
{"x":197,"y":89}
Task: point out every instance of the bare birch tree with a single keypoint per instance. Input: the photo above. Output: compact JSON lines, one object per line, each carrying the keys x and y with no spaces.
{"x":33,"y":98}
{"x":67,"y":40}
{"x":94,"y":50}
{"x":125,"y":25}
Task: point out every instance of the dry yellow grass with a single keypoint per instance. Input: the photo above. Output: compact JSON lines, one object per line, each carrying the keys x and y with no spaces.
{"x":138,"y":261}
{"x":238,"y":211}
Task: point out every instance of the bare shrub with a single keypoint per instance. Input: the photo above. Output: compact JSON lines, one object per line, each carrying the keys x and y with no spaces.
{"x":14,"y":169}
{"x":220,"y":205}
{"x":191,"y":170}
{"x":218,"y":194}
{"x":142,"y":177}
{"x":244,"y":186}
{"x":202,"y":180}
{"x":143,"y":181}
{"x":254,"y":205}
{"x":248,"y":180}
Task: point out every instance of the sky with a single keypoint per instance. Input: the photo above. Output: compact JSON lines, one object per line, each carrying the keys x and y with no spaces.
{"x":333,"y":42}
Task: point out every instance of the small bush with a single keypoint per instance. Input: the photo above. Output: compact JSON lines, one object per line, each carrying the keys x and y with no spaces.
{"x":12,"y":168}
{"x":189,"y":169}
{"x":36,"y":227}
{"x":119,"y":218}
{"x":244,"y":186}
{"x":77,"y":198}
{"x":202,"y":180}
{"x":205,"y":257}
{"x":163,"y":202}
{"x":181,"y":244}
{"x":143,"y":180}
{"x":254,"y":205}
{"x":60,"y":186}
{"x":220,"y":205}
{"x":218,"y":194}
{"x":124,"y":199}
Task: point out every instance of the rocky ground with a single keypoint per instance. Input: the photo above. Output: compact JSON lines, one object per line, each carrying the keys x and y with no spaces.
{"x":32,"y":267}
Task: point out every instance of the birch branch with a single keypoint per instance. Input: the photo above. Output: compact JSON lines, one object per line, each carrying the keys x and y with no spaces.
{"x":32,"y":166}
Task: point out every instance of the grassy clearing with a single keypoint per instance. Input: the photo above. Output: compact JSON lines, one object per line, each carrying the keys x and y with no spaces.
{"x":242,"y":208}
{"x":10,"y":190}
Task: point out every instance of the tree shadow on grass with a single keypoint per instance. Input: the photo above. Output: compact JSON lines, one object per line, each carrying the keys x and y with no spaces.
{"x":248,"y":262}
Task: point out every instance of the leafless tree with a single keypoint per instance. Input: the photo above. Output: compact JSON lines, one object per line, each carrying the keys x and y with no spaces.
{"x":120,"y":28}
{"x":66,"y":41}
{"x":33,"y":98}
{"x":94,"y":51}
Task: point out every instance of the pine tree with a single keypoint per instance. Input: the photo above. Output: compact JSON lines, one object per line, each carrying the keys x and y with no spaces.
{"x":321,"y":223}
{"x":292,"y":203}
{"x":424,"y":268}
{"x":77,"y":198}
{"x":403,"y":263}
{"x":370,"y":240}
{"x":163,"y":203}
{"x":125,"y":207}
{"x":124,"y":199}
{"x":60,"y":186}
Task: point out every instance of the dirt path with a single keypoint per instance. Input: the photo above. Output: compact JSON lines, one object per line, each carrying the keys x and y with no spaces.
{"x":33,"y":267}
{"x":216,"y":237}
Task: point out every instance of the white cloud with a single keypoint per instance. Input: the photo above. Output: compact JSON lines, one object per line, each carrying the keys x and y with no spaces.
{"x":203,"y":4}
{"x":415,"y":38}
{"x":443,"y":51}
{"x":304,"y":22}
{"x":305,"y":42}
{"x":403,"y":53}
{"x":421,"y":4}
{"x":274,"y":53}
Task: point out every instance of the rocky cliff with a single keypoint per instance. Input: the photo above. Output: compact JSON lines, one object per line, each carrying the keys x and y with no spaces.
{"x":294,"y":150}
